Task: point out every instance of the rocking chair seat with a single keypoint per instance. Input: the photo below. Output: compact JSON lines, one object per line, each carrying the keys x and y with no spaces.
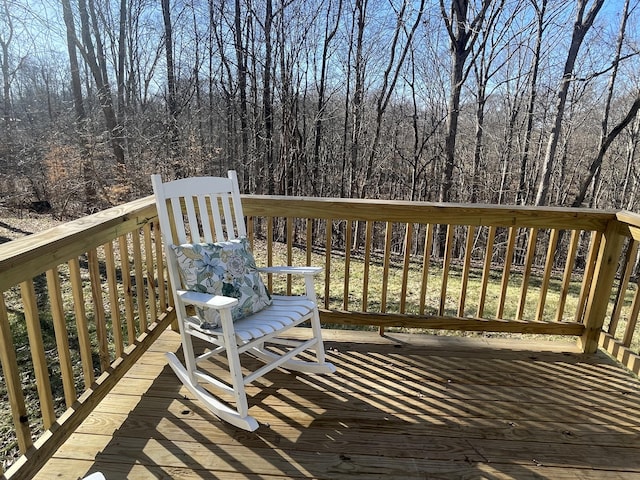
{"x":284,"y":313}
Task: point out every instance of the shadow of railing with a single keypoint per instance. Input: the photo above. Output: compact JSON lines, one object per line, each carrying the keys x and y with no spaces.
{"x":394,"y":409}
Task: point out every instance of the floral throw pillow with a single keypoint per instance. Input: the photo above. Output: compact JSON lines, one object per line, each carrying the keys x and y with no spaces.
{"x":223,"y":268}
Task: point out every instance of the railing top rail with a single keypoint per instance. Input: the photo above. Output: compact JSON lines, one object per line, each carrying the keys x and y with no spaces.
{"x":29,"y":256}
{"x":630,"y":223}
{"x":425,"y":212}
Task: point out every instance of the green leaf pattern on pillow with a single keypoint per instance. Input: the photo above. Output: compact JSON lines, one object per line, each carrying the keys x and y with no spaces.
{"x":223,"y":268}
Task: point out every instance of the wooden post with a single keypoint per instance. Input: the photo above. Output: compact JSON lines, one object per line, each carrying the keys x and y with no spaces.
{"x":604,"y":275}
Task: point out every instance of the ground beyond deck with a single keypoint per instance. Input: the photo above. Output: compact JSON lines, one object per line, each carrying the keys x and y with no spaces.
{"x":404,"y":407}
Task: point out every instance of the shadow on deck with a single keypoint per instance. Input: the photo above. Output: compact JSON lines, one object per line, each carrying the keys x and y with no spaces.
{"x":403,"y":406}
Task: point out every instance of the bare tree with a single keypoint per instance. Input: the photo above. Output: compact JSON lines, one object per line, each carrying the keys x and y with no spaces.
{"x":463,"y":32}
{"x":540,"y":10}
{"x":606,"y":136}
{"x":96,"y":62}
{"x":6,"y":37}
{"x":580,"y":28}
{"x":330,"y":30}
{"x":267,"y":104}
{"x":629,"y":189}
{"x":172,"y":101}
{"x":241,"y":63}
{"x":390,"y":78}
{"x":76,"y":84}
{"x":484,"y":67}
{"x":357,"y":102}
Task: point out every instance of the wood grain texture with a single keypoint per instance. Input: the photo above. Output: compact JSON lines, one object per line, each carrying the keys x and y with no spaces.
{"x":42,"y":251}
{"x":400,"y":407}
{"x":423,"y":212}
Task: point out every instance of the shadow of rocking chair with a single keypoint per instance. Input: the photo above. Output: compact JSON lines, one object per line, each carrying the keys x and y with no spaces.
{"x":211,"y":268}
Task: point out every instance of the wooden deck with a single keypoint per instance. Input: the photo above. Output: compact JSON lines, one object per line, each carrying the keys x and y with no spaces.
{"x":398,"y":407}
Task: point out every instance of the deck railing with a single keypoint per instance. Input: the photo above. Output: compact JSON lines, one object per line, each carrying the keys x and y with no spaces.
{"x":80,"y":304}
{"x":93,"y":292}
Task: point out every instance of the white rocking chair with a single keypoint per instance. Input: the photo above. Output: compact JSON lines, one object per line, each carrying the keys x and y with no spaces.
{"x":194,"y":213}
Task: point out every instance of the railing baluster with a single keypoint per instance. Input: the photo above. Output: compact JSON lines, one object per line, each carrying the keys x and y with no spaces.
{"x":327,"y":263}
{"x":633,"y":320}
{"x":38,"y":356}
{"x":347,"y":263}
{"x":388,"y":235}
{"x":632,"y":251}
{"x":426,"y":260}
{"x":98,"y":310}
{"x":531,"y":251}
{"x":160,"y":267}
{"x":149,"y":275}
{"x":251,"y":232}
{"x":270,"y":251}
{"x":112,"y":282}
{"x":367,"y":262}
{"x":62,"y":336}
{"x":446,"y":265}
{"x":568,"y":271}
{"x":289,"y":226}
{"x":506,"y":271}
{"x":309,"y":240}
{"x":127,"y":289}
{"x":81,"y":322}
{"x":12,"y":381}
{"x":466,"y":268}
{"x":139,"y":276}
{"x":486,"y":270}
{"x":405,"y":267}
{"x":546,"y":276}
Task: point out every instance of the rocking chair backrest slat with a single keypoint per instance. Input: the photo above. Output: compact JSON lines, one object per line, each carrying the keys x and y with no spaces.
{"x":217,"y":219}
{"x":237,"y":204}
{"x":227,"y":215}
{"x":203,"y":208}
{"x":180,"y":234}
{"x":192,"y":220}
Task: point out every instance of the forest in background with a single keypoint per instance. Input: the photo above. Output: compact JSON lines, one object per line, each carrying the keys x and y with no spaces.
{"x":530,"y":102}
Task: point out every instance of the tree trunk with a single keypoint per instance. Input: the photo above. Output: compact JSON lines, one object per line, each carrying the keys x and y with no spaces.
{"x":607,"y":137}
{"x":328,"y":36}
{"x":102,"y":83}
{"x":580,"y":29}
{"x":533,"y":90}
{"x":463,"y":34}
{"x":241,"y":60}
{"x":267,"y":103}
{"x":172,"y":104}
{"x":358,"y":97}
{"x":605,"y":143}
{"x":388,"y":85}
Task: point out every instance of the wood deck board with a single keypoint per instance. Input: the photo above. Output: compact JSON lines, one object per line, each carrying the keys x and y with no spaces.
{"x":398,"y":407}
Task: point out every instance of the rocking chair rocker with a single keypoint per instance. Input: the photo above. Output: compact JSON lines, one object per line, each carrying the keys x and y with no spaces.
{"x":211,"y":269}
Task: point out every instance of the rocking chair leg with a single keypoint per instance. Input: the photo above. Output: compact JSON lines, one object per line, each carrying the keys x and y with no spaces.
{"x":235,"y":368}
{"x":189,"y":356}
{"x":218,"y":408}
{"x":315,"y":323}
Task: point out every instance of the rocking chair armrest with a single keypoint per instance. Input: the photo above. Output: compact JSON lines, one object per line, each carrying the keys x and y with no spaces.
{"x":289,"y":270}
{"x":206,"y":300}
